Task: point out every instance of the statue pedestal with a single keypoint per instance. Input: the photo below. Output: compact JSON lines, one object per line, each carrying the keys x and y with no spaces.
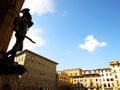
{"x":11,"y":68}
{"x":9,"y":82}
{"x":10,"y":75}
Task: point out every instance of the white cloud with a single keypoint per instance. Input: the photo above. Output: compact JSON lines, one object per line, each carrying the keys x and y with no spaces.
{"x":34,"y":34}
{"x":91,"y":43}
{"x":39,"y":7}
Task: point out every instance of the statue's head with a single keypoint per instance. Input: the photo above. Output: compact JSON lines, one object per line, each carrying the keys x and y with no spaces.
{"x":25,"y":10}
{"x":26,"y":13}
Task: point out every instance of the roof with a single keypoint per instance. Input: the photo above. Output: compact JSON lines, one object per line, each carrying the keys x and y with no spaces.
{"x":72,"y":69}
{"x":98,"y":69}
{"x":114,"y":62}
{"x":26,"y":50}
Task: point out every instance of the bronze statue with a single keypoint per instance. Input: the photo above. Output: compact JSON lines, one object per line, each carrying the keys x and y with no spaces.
{"x":20,"y":26}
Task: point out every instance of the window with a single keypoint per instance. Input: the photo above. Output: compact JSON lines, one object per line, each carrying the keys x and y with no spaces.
{"x":115,"y":76}
{"x":60,"y":81}
{"x":91,"y":88}
{"x":75,"y":85}
{"x":97,"y":85}
{"x":104,"y":85}
{"x":102,"y":71}
{"x":117,"y":82}
{"x":113,"y":84}
{"x":97,"y":88}
{"x":107,"y":79}
{"x":108,"y":85}
{"x":75,"y":74}
{"x":74,"y":80}
{"x":113,"y":66}
{"x":118,"y":65}
{"x":114,"y":71}
{"x":90,"y":80}
{"x":106,"y":74}
{"x":80,"y":80}
{"x":111,"y":79}
{"x":110,"y":74}
{"x":98,"y":71}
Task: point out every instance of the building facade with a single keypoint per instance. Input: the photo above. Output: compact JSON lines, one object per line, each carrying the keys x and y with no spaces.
{"x":72,"y":73}
{"x":41,"y":72}
{"x":63,"y":81}
{"x":115,"y":70}
{"x":97,"y":79}
{"x":41,"y":75}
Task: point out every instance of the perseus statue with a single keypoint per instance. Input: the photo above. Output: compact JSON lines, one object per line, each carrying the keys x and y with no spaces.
{"x":21,"y":24}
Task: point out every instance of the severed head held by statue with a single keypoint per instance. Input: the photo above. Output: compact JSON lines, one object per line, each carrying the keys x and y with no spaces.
{"x":21,"y":24}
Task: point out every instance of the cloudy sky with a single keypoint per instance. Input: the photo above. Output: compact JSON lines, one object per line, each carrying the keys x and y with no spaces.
{"x":75,"y":33}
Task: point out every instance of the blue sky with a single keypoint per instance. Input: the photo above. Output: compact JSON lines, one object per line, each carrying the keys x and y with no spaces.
{"x":75,"y":33}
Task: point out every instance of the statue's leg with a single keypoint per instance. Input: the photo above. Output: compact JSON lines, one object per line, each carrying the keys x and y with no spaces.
{"x":8,"y":53}
{"x":12,"y":57}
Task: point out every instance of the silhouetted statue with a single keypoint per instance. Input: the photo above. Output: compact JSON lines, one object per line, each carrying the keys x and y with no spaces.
{"x":21,"y":26}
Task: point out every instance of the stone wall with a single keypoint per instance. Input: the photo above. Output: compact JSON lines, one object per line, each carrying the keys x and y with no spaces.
{"x":9,"y":82}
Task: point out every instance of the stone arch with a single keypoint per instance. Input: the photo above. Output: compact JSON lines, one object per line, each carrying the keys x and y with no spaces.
{"x":6,"y":87}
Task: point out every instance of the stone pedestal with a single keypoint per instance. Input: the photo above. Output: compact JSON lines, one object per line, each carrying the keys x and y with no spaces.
{"x":9,"y":82}
{"x":15,"y":68}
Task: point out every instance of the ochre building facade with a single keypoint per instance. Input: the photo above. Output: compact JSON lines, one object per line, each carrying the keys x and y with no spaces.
{"x":96,"y":79}
{"x":115,"y":70}
{"x":41,"y":72}
{"x":63,"y":81}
